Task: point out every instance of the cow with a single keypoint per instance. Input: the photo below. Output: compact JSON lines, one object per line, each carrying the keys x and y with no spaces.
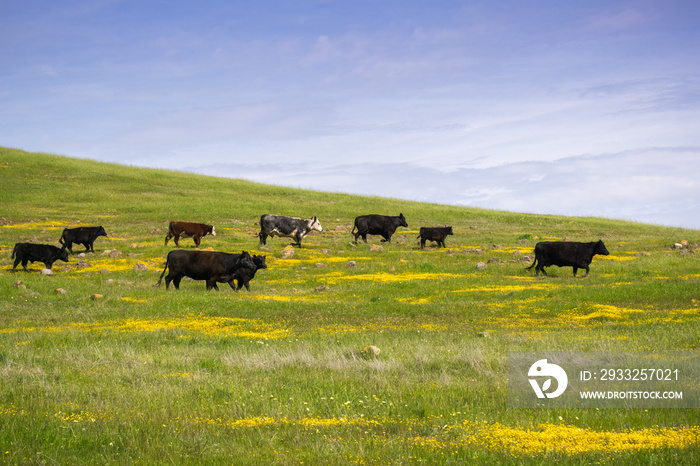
{"x":377,"y":225}
{"x":289,"y":227}
{"x":437,"y":234}
{"x":244,"y":275}
{"x":189,"y":230}
{"x":566,"y":254}
{"x":30,"y":252}
{"x":81,"y":235}
{"x":203,"y":265}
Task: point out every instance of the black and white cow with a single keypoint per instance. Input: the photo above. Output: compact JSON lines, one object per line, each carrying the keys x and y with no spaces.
{"x":566,"y":254}
{"x":81,"y":235}
{"x":290,"y":227}
{"x":437,"y":234}
{"x":204,"y":265}
{"x":377,"y":225}
{"x":30,"y":252}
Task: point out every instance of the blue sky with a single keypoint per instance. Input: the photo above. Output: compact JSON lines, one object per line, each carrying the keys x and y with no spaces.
{"x":571,"y":108}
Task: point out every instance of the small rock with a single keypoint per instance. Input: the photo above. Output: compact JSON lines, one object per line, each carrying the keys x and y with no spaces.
{"x":81,"y":255}
{"x":105,"y":271}
{"x":370,"y":351}
{"x":33,"y":294}
{"x":495,"y":259}
{"x":110,"y":281}
{"x":352,"y":264}
{"x":96,"y":296}
{"x":481,"y":266}
{"x":321,"y":288}
{"x":288,"y":252}
{"x":46,"y":272}
{"x":82,"y":264}
{"x":376,"y":248}
{"x":484,"y":334}
{"x":115,"y":253}
{"x":140,"y":267}
{"x":106,"y":252}
{"x":19,"y":284}
{"x":61,"y":291}
{"x":320,"y":265}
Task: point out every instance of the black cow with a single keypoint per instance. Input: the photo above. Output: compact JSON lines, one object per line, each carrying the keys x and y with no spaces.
{"x":203,"y":265}
{"x":81,"y":235}
{"x":290,"y":227}
{"x":30,"y":252}
{"x":244,"y":275}
{"x":377,"y":225}
{"x":437,"y":234}
{"x":188,"y":230}
{"x":566,"y":254}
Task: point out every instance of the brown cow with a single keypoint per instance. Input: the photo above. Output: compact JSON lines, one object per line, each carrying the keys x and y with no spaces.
{"x":187,"y":230}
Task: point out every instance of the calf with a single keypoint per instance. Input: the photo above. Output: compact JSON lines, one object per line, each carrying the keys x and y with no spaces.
{"x":204,"y":265}
{"x":290,"y":227}
{"x":188,"y":229}
{"x":566,"y":254}
{"x":30,"y":252}
{"x":437,"y":234}
{"x":244,"y":275}
{"x":377,"y":225}
{"x":81,"y":235}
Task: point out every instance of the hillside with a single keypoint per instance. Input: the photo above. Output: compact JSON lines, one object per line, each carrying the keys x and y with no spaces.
{"x":98,"y":365}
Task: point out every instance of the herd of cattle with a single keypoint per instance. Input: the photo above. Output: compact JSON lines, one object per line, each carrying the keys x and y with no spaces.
{"x":238,"y":269}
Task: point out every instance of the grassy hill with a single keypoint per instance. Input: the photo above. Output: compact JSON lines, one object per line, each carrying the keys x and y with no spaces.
{"x":98,"y":365}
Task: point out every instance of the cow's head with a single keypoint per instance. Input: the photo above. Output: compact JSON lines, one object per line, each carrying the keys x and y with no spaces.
{"x":246,"y":260}
{"x":402,"y":221}
{"x":101,"y":231}
{"x":449,"y":231}
{"x":259,"y":261}
{"x":601,"y":249}
{"x":62,"y":254}
{"x":315,"y":224}
{"x":212,"y":231}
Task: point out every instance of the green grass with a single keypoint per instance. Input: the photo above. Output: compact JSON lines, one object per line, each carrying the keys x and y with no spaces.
{"x":277,"y":375}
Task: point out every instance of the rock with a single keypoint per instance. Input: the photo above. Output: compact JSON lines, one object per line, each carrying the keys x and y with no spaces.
{"x":105,"y":271}
{"x":370,"y":351}
{"x":110,"y":281}
{"x":288,"y":252}
{"x":352,"y":264}
{"x":484,"y":334}
{"x":82,"y":264}
{"x":321,"y":288}
{"x":517,"y":254}
{"x":115,"y":253}
{"x":20,"y":285}
{"x":140,"y":267}
{"x":96,"y":296}
{"x":81,"y":255}
{"x":481,"y":266}
{"x":376,"y":248}
{"x":106,"y":252}
{"x":46,"y":272}
{"x":494,"y":259}
{"x":320,"y":265}
{"x":61,"y":291}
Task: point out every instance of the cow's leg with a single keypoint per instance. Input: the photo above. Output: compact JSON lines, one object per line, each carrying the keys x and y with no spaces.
{"x":263,"y":237}
{"x":17,"y":261}
{"x":48,"y":264}
{"x":197,"y":239}
{"x":575,"y":270}
{"x":69,"y":245}
{"x":176,"y":281}
{"x":422,"y":243}
{"x":167,"y":238}
{"x":177,"y":240}
{"x":87,"y":246}
{"x":25,"y":261}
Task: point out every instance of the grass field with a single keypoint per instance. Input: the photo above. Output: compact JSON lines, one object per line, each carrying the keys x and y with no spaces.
{"x":98,"y":365}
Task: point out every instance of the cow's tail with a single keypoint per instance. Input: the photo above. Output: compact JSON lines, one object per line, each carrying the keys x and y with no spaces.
{"x":533,"y":264}
{"x":14,"y":250}
{"x":167,"y":262}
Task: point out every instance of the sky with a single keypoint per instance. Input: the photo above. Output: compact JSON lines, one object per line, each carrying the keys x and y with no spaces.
{"x":579,"y":108}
